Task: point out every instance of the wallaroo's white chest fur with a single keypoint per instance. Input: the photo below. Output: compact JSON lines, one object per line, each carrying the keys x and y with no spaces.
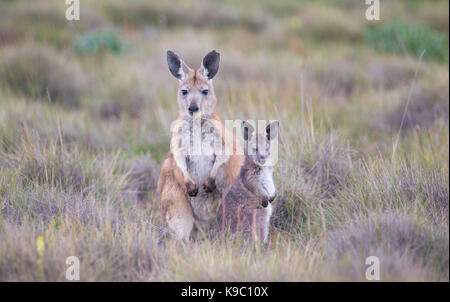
{"x":199,"y":153}
{"x":200,"y":139}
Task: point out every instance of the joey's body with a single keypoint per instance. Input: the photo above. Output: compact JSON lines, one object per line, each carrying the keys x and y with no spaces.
{"x":241,"y":210}
{"x":247,"y":207}
{"x":195,"y":173}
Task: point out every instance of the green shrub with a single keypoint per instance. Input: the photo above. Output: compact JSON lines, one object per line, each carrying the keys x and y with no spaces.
{"x":400,"y":37}
{"x":94,"y":42}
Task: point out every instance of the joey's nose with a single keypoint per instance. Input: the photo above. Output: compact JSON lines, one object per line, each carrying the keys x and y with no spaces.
{"x":193,"y":108}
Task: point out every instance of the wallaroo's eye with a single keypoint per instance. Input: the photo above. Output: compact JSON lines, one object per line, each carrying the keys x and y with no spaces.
{"x":205,"y":91}
{"x":184,"y":91}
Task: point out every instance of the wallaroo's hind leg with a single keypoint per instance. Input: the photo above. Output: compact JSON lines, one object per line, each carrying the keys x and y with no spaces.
{"x":181,"y":224}
{"x":175,"y":207}
{"x":177,"y":212}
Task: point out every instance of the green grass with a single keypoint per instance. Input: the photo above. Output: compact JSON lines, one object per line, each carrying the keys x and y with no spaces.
{"x":95,"y":42}
{"x":413,"y":39}
{"x":353,"y":180}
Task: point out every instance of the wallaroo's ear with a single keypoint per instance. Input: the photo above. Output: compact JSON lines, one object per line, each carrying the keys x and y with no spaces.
{"x":247,"y":130}
{"x":272,"y":130}
{"x":176,"y":66}
{"x":210,"y":64}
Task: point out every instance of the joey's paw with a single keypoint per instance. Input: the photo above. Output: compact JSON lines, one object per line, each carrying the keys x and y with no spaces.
{"x":191,"y":188}
{"x":265,"y":203}
{"x":209,"y":185}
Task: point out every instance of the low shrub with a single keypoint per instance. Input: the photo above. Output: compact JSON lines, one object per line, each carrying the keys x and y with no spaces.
{"x":94,"y":42}
{"x":401,"y":37}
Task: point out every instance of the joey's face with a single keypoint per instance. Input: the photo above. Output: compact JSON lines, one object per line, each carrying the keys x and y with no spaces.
{"x":258,"y":149}
{"x":259,"y":145}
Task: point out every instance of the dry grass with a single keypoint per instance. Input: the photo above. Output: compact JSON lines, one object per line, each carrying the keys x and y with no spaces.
{"x":80,"y":170}
{"x":204,"y":14}
{"x":425,"y":107}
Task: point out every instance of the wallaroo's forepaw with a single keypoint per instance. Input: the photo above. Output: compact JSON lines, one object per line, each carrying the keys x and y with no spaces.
{"x":191,"y":189}
{"x":209,"y":185}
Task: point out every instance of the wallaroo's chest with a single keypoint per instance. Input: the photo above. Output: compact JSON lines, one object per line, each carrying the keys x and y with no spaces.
{"x":200,"y":139}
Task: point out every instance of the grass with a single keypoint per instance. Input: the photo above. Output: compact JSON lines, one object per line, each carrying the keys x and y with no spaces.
{"x":80,"y":168}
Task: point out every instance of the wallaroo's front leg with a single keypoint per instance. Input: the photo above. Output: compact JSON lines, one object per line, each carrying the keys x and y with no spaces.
{"x":191,"y":187}
{"x":210,"y":183}
{"x":180,"y":155}
{"x":221,"y":156}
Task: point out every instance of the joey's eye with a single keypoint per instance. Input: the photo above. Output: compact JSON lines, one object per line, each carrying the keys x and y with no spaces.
{"x":184,"y":91}
{"x":205,"y":91}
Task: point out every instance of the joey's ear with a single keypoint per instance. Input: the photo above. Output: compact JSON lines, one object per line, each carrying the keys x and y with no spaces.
{"x":272,"y":130}
{"x":176,"y":66}
{"x":247,"y":130}
{"x":210,"y":64}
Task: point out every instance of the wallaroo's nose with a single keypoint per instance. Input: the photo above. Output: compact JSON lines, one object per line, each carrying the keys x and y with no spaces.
{"x":271,"y":198}
{"x":193,"y":108}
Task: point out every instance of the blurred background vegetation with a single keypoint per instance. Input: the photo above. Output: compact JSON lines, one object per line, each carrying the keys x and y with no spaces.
{"x":85,"y":109}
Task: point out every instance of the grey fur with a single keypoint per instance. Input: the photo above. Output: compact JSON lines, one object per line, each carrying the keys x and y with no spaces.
{"x":246,"y":209}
